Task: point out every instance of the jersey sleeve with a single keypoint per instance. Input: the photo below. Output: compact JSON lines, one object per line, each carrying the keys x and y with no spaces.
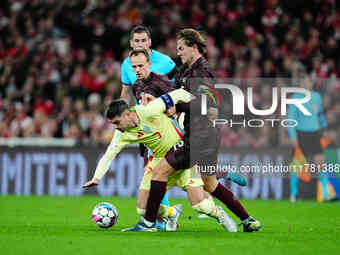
{"x":125,"y":74}
{"x":165,"y":66}
{"x":117,"y":144}
{"x":170,"y":69}
{"x":154,"y":108}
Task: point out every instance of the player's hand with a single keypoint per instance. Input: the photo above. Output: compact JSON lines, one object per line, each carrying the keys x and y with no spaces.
{"x":171,"y":111}
{"x":91,"y":183}
{"x":146,"y":98}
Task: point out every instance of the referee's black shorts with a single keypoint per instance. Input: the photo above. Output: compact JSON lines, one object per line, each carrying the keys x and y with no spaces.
{"x":309,"y":143}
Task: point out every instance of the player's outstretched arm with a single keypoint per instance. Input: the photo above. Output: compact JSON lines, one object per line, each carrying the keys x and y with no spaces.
{"x":116,"y":145}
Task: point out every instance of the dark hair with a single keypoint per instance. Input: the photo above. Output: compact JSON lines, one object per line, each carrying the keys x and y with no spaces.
{"x":116,"y":108}
{"x":138,"y":51}
{"x":140,"y":29}
{"x":191,"y":37}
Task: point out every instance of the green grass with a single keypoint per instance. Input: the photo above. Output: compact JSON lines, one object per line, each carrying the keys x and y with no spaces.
{"x":62,"y":225}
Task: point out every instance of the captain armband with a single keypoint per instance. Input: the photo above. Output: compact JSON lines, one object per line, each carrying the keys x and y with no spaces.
{"x":167,"y":101}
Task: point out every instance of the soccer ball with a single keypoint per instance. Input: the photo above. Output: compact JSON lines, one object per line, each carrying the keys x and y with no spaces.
{"x":105,"y":215}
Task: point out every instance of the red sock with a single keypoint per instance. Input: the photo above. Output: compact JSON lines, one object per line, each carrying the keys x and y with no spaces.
{"x":223,"y":194}
{"x":156,"y":194}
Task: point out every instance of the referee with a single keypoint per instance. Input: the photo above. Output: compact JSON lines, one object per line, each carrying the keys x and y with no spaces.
{"x":307,"y":134}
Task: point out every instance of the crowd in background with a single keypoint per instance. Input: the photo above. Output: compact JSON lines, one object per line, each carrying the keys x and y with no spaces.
{"x":59,"y":68}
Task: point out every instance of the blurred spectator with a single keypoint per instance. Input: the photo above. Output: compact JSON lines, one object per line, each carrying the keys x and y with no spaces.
{"x":39,"y":121}
{"x":229,"y":138}
{"x":74,"y":132}
{"x":95,"y":117}
{"x":49,"y":130}
{"x":20,"y":117}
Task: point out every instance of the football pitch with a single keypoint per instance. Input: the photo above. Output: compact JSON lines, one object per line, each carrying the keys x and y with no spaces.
{"x":62,"y":225}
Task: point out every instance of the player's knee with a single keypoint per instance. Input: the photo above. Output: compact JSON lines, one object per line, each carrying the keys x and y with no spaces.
{"x":206,"y":195}
{"x":210,"y":184}
{"x":157,"y":174}
{"x":162,"y":171}
{"x":196,"y":194}
{"x":160,"y":175}
{"x":140,"y":211}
